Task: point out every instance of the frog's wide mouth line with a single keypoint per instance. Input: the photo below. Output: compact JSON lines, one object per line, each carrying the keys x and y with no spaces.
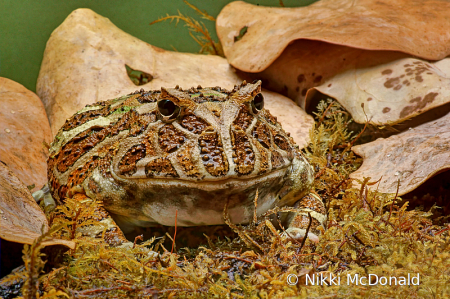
{"x":207,"y":185}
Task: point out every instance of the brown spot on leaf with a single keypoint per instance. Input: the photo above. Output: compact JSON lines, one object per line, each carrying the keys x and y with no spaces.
{"x":300,"y":78}
{"x":419,"y":78}
{"x":386,"y":72}
{"x":397,"y":87}
{"x":420,"y":104}
{"x":369,"y":99}
{"x":285,"y":91}
{"x":386,"y":109}
{"x":317,"y":79}
{"x":304,"y":91}
{"x":391,"y":82}
{"x":329,"y":85}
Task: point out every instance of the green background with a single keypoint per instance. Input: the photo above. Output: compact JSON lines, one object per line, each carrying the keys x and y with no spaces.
{"x":26,"y":25}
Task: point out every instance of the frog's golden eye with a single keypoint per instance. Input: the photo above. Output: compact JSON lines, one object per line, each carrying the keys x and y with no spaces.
{"x":168,"y":110}
{"x":258,"y":103}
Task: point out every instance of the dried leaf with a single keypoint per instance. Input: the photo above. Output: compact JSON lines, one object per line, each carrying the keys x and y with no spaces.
{"x":305,"y":64}
{"x":412,"y":157}
{"x":24,"y":129}
{"x":21,"y":219}
{"x":391,"y":92}
{"x":418,"y":28}
{"x":85,"y":62}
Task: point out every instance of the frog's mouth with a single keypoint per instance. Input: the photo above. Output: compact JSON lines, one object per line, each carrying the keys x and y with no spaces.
{"x":157,"y":201}
{"x":206,"y":185}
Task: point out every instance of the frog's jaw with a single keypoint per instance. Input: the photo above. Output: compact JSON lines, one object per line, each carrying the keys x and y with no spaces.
{"x":164,"y":201}
{"x":298,"y":183}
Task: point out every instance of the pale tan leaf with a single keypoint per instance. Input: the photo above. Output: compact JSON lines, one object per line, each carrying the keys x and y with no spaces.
{"x":24,"y":129}
{"x":84,"y":62}
{"x":418,"y":28}
{"x":21,"y":219}
{"x":391,"y":92}
{"x":293,"y":119}
{"x":412,"y":157}
{"x":305,"y":64}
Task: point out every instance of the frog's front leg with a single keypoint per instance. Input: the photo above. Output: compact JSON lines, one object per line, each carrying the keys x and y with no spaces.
{"x":102,"y":221}
{"x":299,"y":221}
{"x":112,"y":235}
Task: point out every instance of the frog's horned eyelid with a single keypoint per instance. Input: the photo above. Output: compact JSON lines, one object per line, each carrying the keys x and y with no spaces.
{"x":246,"y":93}
{"x":258,"y":82}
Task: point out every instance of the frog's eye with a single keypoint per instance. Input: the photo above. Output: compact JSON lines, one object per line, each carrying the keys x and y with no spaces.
{"x":168,"y":110}
{"x":258,"y":103}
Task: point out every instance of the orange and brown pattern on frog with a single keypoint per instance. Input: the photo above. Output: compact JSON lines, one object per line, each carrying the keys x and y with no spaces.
{"x":151,"y":155}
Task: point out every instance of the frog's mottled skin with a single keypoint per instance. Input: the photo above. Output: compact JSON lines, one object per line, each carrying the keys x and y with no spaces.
{"x":218,"y":147}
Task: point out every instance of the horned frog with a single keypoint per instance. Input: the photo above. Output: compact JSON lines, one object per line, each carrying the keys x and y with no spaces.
{"x":160,"y":157}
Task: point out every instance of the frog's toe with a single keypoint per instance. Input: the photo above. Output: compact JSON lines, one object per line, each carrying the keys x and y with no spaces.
{"x":45,"y":195}
{"x":299,"y":233}
{"x":310,"y":215}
